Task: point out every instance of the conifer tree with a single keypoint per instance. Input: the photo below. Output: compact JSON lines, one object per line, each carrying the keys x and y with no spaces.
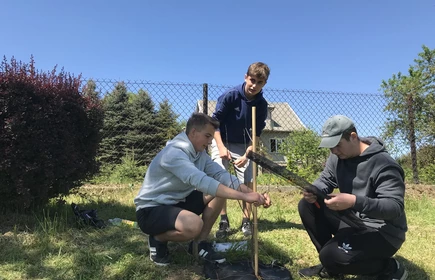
{"x":167,"y":121}
{"x":116,"y":125}
{"x":95,"y":113}
{"x":143,"y":140}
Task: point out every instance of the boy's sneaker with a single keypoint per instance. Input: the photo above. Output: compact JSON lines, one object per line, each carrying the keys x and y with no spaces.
{"x":206,"y":252}
{"x":247,"y":229}
{"x":224,"y":229}
{"x":159,"y":252}
{"x":400,"y":273}
{"x":317,"y":270}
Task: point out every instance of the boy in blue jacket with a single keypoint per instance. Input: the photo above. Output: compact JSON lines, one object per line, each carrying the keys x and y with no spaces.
{"x":232,"y":140}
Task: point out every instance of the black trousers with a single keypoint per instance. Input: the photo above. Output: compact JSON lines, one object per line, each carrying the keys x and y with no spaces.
{"x":342,"y":249}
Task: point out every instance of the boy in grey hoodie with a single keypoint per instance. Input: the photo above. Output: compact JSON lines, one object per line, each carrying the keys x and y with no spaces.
{"x":182,"y":183}
{"x":371,"y":184}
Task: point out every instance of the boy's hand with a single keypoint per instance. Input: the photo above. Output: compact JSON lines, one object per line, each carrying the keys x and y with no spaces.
{"x":340,"y":201}
{"x":224,"y":153}
{"x":310,"y":197}
{"x":265,"y":197}
{"x":255,"y":198}
{"x":267,"y":201}
{"x":241,"y":161}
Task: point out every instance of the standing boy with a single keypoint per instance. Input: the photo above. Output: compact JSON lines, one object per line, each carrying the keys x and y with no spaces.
{"x":182,"y":183}
{"x":232,"y":141}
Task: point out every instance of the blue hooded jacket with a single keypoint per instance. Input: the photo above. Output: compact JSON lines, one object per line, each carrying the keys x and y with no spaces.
{"x":234,"y":112}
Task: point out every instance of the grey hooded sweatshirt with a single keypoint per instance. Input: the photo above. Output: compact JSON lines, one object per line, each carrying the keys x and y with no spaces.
{"x":176,"y":171}
{"x":377,"y":181}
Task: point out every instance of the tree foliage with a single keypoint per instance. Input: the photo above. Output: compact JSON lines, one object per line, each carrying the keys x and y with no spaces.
{"x":410,"y":102}
{"x":425,"y":161}
{"x":116,"y":125}
{"x":143,"y":140}
{"x":425,"y":63}
{"x":303,"y":154}
{"x":133,"y":127}
{"x":167,"y":121}
{"x":49,"y":134}
{"x":95,"y":113}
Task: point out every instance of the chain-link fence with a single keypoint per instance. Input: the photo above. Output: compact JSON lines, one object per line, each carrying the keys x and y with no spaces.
{"x":289,"y":109}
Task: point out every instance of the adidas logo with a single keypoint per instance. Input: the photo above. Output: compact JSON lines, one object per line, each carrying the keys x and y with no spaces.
{"x":345,"y":247}
{"x":203,"y":253}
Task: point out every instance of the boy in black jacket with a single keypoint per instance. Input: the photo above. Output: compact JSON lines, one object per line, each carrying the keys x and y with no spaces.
{"x":370,"y":183}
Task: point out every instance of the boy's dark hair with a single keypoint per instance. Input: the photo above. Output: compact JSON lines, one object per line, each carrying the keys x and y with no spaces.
{"x":199,"y":121}
{"x":258,"y":70}
{"x":346,"y":133}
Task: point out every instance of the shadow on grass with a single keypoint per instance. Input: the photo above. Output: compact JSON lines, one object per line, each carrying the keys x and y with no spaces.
{"x":184,"y":265}
{"x":61,"y":250}
{"x":415,"y":272}
{"x":43,"y":248}
{"x":266,"y":225}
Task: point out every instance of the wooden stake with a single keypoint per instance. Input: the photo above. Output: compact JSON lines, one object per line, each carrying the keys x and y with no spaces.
{"x":254,"y":188}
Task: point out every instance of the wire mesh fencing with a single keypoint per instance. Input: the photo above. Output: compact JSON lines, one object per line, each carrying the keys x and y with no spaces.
{"x":289,"y":110}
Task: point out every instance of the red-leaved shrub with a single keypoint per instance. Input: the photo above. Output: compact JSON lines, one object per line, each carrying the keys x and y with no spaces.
{"x":49,"y":134}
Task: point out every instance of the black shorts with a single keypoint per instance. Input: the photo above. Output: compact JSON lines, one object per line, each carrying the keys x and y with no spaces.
{"x":160,"y":219}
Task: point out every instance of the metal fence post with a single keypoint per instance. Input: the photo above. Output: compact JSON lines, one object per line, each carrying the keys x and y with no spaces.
{"x":205,"y":98}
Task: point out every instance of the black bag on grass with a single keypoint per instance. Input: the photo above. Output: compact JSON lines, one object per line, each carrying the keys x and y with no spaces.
{"x":87,"y":217}
{"x":244,"y":270}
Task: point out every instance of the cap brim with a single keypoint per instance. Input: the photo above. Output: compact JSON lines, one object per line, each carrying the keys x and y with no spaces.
{"x":330,"y":142}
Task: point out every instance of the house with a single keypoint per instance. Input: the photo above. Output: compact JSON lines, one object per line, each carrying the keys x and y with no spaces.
{"x":281,"y":121}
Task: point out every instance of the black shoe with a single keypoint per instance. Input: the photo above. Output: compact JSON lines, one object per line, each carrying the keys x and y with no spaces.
{"x":247,"y":229}
{"x":224,"y":229}
{"x":400,"y":273}
{"x":159,"y":252}
{"x":206,"y":252}
{"x":317,"y":270}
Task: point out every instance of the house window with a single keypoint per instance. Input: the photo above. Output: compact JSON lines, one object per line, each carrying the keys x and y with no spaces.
{"x":269,"y":112}
{"x":275,"y":145}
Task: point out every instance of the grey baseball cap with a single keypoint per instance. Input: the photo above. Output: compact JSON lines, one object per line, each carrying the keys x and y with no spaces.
{"x":333,"y":130}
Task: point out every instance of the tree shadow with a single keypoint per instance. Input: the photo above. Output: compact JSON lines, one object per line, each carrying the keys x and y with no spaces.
{"x":266,"y":225}
{"x":83,"y":252}
{"x":121,"y":252}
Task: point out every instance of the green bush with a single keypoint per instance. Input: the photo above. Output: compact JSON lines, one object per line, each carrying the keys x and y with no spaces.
{"x":303,"y":154}
{"x":128,"y":171}
{"x":425,"y":165}
{"x":427,"y":174}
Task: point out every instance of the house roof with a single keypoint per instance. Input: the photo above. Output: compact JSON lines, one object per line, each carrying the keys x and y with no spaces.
{"x":283,"y":118}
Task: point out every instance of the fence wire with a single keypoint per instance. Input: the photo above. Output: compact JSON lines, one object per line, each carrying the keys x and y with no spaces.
{"x":289,"y":109}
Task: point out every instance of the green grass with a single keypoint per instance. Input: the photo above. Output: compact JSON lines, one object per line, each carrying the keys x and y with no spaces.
{"x":48,"y":244}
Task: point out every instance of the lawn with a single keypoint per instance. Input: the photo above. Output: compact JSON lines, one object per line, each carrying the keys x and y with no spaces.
{"x":48,"y":244}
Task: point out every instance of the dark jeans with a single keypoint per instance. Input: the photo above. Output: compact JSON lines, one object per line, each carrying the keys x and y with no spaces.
{"x":342,"y":249}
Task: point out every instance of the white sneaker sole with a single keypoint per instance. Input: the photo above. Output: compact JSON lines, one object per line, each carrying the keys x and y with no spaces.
{"x":159,"y":264}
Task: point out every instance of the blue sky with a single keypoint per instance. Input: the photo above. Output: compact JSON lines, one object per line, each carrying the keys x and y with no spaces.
{"x":322,"y":45}
{"x":339,"y":45}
